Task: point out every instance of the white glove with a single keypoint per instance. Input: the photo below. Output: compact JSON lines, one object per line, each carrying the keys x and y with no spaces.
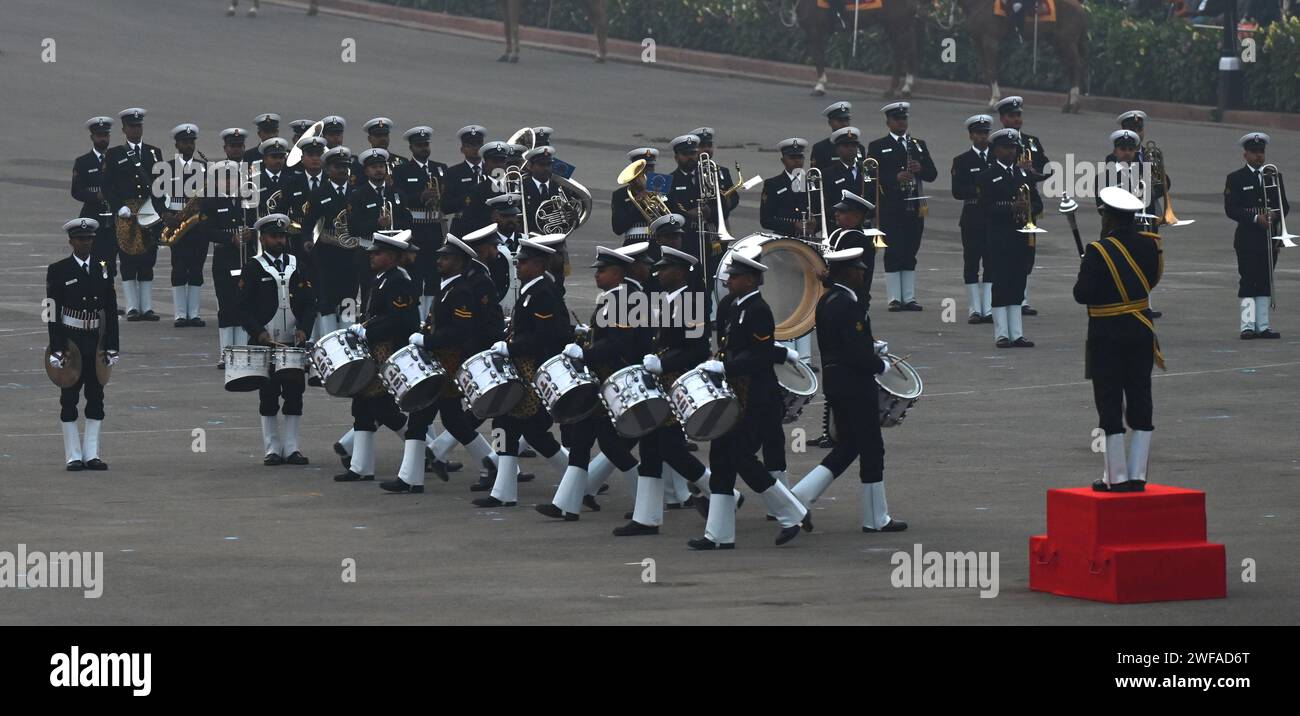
{"x":651,"y":364}
{"x":881,"y":347}
{"x":713,"y":366}
{"x":574,"y":351}
{"x":357,"y":330}
{"x":417,"y":339}
{"x":581,"y":330}
{"x":56,"y":359}
{"x":124,"y":212}
{"x":501,"y":349}
{"x":791,"y":355}
{"x":113,"y":357}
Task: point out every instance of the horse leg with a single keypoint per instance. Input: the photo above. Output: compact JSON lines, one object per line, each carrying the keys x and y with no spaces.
{"x":505,"y":25}
{"x":600,"y":23}
{"x":910,"y":54}
{"x":988,"y":49}
{"x":1073,"y":61}
{"x":816,"y":31}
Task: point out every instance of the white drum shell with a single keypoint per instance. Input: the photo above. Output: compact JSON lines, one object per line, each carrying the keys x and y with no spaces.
{"x":489,"y":384}
{"x":798,"y":388}
{"x":636,"y":403}
{"x":413,"y":378}
{"x":706,"y":410}
{"x":248,"y":368}
{"x":569,"y":393}
{"x":343,"y":362}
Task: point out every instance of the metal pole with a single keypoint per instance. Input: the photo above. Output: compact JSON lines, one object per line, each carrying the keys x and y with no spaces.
{"x":1229,"y":63}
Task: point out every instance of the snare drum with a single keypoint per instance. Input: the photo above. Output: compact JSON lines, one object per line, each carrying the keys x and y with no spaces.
{"x":705,"y":405}
{"x":489,"y":384}
{"x":413,"y":378}
{"x":636,"y":403}
{"x":248,"y":368}
{"x":567,"y":389}
{"x":344,"y":363}
{"x":290,"y":363}
{"x":900,"y":388}
{"x":798,"y":388}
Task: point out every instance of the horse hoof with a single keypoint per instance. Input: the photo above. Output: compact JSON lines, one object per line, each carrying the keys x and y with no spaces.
{"x":818,"y":93}
{"x":600,"y":59}
{"x":906,"y":94}
{"x":514,"y":59}
{"x":504,"y":58}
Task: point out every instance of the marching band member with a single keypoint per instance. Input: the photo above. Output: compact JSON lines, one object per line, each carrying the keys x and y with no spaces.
{"x":390,"y":311}
{"x":845,"y":172}
{"x":784,"y":203}
{"x":625,"y":219}
{"x":268,"y":126}
{"x":225,"y":226}
{"x":1135,"y":121}
{"x":378,"y":133}
{"x":190,"y":252}
{"x":474,"y":211}
{"x":232,"y":143}
{"x":729,"y":203}
{"x":905,"y":167}
{"x":1123,"y":169}
{"x":612,"y":346}
{"x":1115,"y":278}
{"x":275,"y":177}
{"x":128,"y":174}
{"x":1245,"y":203}
{"x":277,"y":306}
{"x":88,"y":175}
{"x":298,"y":191}
{"x":1034,"y":161}
{"x":84,"y":318}
{"x":838,"y":115}
{"x":373,"y":205}
{"x":850,"y":216}
{"x":675,"y":351}
{"x":999,"y":188}
{"x":336,"y":266}
{"x":299,"y":127}
{"x":746,"y":356}
{"x":683,"y":195}
{"x":497,"y":246}
{"x":966,"y":170}
{"x":464,"y":177}
{"x":332,"y":128}
{"x":851,"y":358}
{"x":420,"y":182}
{"x":538,"y":185}
{"x":539,"y":329}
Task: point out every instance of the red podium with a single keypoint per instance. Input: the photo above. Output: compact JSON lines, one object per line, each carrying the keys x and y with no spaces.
{"x":1127,"y":547}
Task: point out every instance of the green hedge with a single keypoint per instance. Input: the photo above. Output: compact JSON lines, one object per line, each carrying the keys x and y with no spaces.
{"x":1133,"y":57}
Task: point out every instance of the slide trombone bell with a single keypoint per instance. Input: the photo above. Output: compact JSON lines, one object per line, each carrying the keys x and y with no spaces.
{"x":1272,"y":177}
{"x":295,"y":154}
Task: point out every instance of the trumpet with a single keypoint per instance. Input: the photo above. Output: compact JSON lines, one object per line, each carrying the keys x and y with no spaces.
{"x":1023,"y":211}
{"x":867,"y":166}
{"x":386,"y":216}
{"x":651,"y":205}
{"x":1158,"y":175}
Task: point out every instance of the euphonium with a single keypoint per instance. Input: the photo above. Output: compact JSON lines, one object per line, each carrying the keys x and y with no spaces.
{"x":651,"y":205}
{"x":188,"y":218}
{"x":1158,"y":175}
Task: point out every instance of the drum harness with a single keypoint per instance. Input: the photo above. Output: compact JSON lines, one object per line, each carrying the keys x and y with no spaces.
{"x":282,"y":324}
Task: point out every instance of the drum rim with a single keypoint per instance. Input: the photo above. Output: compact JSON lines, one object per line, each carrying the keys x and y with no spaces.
{"x":912,"y":375}
{"x":804,"y":371}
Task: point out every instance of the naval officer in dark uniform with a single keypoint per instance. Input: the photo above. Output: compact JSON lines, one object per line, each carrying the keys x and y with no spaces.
{"x":1257,"y":253}
{"x":966,"y":170}
{"x":88,"y":188}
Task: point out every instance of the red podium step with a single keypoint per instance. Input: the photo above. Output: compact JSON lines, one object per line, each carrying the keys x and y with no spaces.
{"x":1127,"y":547}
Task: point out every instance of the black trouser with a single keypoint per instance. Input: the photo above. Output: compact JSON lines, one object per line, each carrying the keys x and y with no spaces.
{"x":268,"y":396}
{"x":370,"y":411}
{"x":974,"y":253}
{"x":336,"y":270}
{"x":188,"y":256}
{"x":857,"y":423}
{"x":105,"y":247}
{"x":225,"y":260}
{"x":424,"y":271}
{"x":903,"y":236}
{"x":460,"y":424}
{"x":774,"y":446}
{"x":140,"y":266}
{"x":667,"y":444}
{"x":536,"y":428}
{"x":1006,"y":266}
{"x":579,"y":437}
{"x":733,"y":453}
{"x":88,"y":343}
{"x":1121,"y":383}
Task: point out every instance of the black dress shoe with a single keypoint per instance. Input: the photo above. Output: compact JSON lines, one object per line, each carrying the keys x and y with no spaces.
{"x":987,"y":319}
{"x":133,"y":315}
{"x":1028,"y":310}
{"x":692,"y":447}
{"x":552,"y":511}
{"x":297,"y":458}
{"x":95,"y":463}
{"x":221,"y":365}
{"x":770,"y":518}
{"x":691,"y":500}
{"x":1248,"y":335}
{"x":452,"y":465}
{"x":400,"y":486}
{"x":1003,"y":342}
{"x":314,"y":382}
{"x":197,"y":322}
{"x":1266,"y":333}
{"x":589,"y":501}
{"x":975,"y":319}
{"x":628,"y":515}
{"x":824,"y":441}
{"x":485,"y":482}
{"x":272,"y":460}
{"x":181,"y":323}
{"x":150,"y":316}
{"x":121,"y":311}
{"x":343,"y":455}
{"x":525,"y":477}
{"x":673,"y":505}
{"x":913,"y":306}
{"x":893,"y":526}
{"x":527,"y":452}
{"x":604,"y":487}
{"x":704,"y":543}
{"x":350,"y":476}
{"x":895,"y":306}
{"x":1022,"y":342}
{"x":439,"y":470}
{"x":1130,"y":486}
{"x":491,"y":501}
{"x":1156,"y":314}
{"x":807,"y":524}
{"x":786,"y":534}
{"x":76,"y":466}
{"x":634,"y":528}
{"x":1100,"y":486}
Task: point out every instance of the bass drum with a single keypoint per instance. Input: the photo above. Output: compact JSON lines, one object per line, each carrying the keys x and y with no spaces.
{"x":791,"y":285}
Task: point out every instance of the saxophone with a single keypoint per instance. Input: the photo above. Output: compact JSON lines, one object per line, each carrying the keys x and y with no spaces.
{"x":189,"y":217}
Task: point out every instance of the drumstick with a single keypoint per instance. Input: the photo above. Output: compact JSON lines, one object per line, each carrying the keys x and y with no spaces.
{"x":894,"y":364}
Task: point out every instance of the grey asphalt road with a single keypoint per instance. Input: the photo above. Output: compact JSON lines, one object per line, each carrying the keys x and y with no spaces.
{"x":213,"y":537}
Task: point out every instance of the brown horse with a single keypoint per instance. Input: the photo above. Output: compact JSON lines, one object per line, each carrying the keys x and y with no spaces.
{"x":510,"y":11}
{"x":901,"y":27}
{"x":1069,"y":35}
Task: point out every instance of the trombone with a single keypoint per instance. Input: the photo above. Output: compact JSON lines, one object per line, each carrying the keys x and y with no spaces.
{"x":1159,"y":176}
{"x":1271,"y":177}
{"x":512,"y":182}
{"x":867,"y":165}
{"x":707,"y":177}
{"x":812,"y":185}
